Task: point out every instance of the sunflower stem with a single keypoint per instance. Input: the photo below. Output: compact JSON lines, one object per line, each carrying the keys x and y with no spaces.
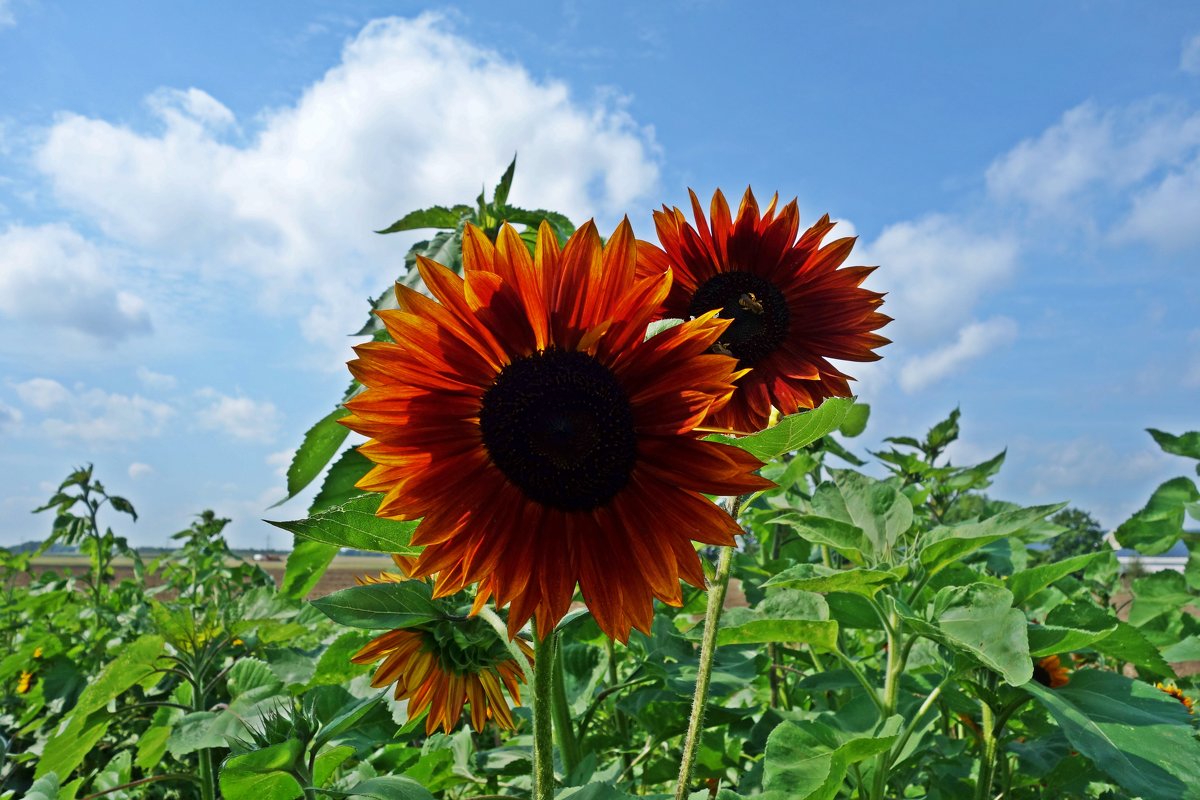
{"x":543,"y":716}
{"x":708,"y":650}
{"x":564,"y":729}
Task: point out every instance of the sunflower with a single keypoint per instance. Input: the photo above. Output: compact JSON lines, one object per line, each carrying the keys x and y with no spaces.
{"x":404,"y":563}
{"x":1050,"y":672}
{"x":792,"y":305}
{"x":24,"y":682}
{"x":540,"y":438}
{"x":440,"y":669}
{"x":1178,"y":694}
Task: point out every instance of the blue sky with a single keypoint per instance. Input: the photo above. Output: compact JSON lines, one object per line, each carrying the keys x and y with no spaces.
{"x":186,"y":200}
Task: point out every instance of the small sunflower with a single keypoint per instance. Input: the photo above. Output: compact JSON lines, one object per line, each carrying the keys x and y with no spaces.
{"x":1050,"y":672}
{"x":405,"y":564}
{"x":541,"y":439}
{"x":24,"y":682}
{"x":441,"y":669}
{"x":1178,"y":694}
{"x":792,"y":304}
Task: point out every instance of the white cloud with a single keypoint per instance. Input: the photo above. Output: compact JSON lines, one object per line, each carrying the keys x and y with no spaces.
{"x":1189,"y":59}
{"x":1166,"y":214}
{"x":279,"y":462}
{"x":1092,"y":155}
{"x":240,"y":417}
{"x":155,"y":380}
{"x":6,"y":15}
{"x":10,"y":418}
{"x":973,"y":340}
{"x":54,"y":277}
{"x":934,"y":271}
{"x":137,"y":470}
{"x":96,"y":417}
{"x":42,"y":393}
{"x":413,"y":115}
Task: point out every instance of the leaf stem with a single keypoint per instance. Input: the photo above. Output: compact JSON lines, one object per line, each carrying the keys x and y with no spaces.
{"x":564,"y":729}
{"x":708,"y":649}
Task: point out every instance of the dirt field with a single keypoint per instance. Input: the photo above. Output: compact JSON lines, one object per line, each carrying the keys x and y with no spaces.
{"x":340,"y":574}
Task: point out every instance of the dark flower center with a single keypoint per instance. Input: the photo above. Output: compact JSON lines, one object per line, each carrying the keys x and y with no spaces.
{"x":1041,"y":675}
{"x":558,"y":425}
{"x":759,"y":312}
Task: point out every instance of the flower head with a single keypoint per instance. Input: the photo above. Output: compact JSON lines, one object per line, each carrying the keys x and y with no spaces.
{"x":1178,"y":694}
{"x":24,"y":682}
{"x":792,"y":304}
{"x":443,"y":667}
{"x":541,"y":439}
{"x":1051,"y":673}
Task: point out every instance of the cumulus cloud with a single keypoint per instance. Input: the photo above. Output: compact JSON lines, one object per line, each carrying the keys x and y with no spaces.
{"x":138,"y":470}
{"x":54,"y":277}
{"x":293,"y":205}
{"x":973,"y":341}
{"x":935,"y":271}
{"x":155,"y":380}
{"x":1166,"y":214}
{"x":240,"y":417}
{"x":42,"y":394}
{"x":92,"y":416}
{"x":1189,"y":59}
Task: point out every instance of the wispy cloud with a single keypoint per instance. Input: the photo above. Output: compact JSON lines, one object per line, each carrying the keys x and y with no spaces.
{"x":973,"y":341}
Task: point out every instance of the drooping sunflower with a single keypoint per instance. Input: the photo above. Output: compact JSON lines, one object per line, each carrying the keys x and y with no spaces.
{"x":437,"y":670}
{"x":540,"y":438}
{"x":1178,"y":694}
{"x":1051,"y":672}
{"x":792,"y":304}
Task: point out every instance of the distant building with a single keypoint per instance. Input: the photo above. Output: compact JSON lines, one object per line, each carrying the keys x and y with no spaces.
{"x":1175,"y":558}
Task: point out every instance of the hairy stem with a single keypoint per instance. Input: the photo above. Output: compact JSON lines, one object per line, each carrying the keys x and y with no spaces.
{"x":708,"y":650}
{"x":543,"y":717}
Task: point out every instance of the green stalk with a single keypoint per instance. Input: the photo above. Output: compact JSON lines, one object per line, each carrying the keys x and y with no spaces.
{"x":891,"y":693}
{"x":990,"y":727}
{"x":708,"y":650}
{"x":564,"y":729}
{"x":543,"y":724}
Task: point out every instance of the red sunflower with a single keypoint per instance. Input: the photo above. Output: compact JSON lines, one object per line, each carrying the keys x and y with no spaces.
{"x":792,"y":304}
{"x":542,"y":441}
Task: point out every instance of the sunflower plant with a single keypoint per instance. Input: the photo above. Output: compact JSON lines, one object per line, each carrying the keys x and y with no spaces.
{"x":548,"y":421}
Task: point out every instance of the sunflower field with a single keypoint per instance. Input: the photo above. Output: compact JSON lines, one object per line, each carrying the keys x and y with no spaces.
{"x":635,"y":552}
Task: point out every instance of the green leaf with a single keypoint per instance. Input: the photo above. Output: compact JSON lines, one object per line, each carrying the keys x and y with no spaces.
{"x":799,"y":766}
{"x":392,"y":787}
{"x":784,"y":616}
{"x":1157,"y":527}
{"x":819,"y":578}
{"x":1140,"y":736}
{"x":339,"y":486}
{"x":334,"y":666}
{"x":305,"y":565}
{"x":1184,"y":650}
{"x":793,"y":431}
{"x":1070,"y":627}
{"x":1128,"y":644}
{"x":1186,"y":445}
{"x":263,"y":774}
{"x":381,"y":605}
{"x":347,"y":717}
{"x":45,"y":788}
{"x":432,"y":217}
{"x":328,"y":762}
{"x":500,"y":196}
{"x":846,"y":538}
{"x":354,"y":524}
{"x":947,"y":544}
{"x":122,"y":505}
{"x":879,"y":510}
{"x":978,"y":619}
{"x":658,"y":326}
{"x":855,"y":421}
{"x":1026,"y":583}
{"x":320,"y":444}
{"x":563,"y":227}
{"x":82,"y":728}
{"x":1158,"y":594}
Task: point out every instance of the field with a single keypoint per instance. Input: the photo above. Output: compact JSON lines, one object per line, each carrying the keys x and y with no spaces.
{"x":340,"y":574}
